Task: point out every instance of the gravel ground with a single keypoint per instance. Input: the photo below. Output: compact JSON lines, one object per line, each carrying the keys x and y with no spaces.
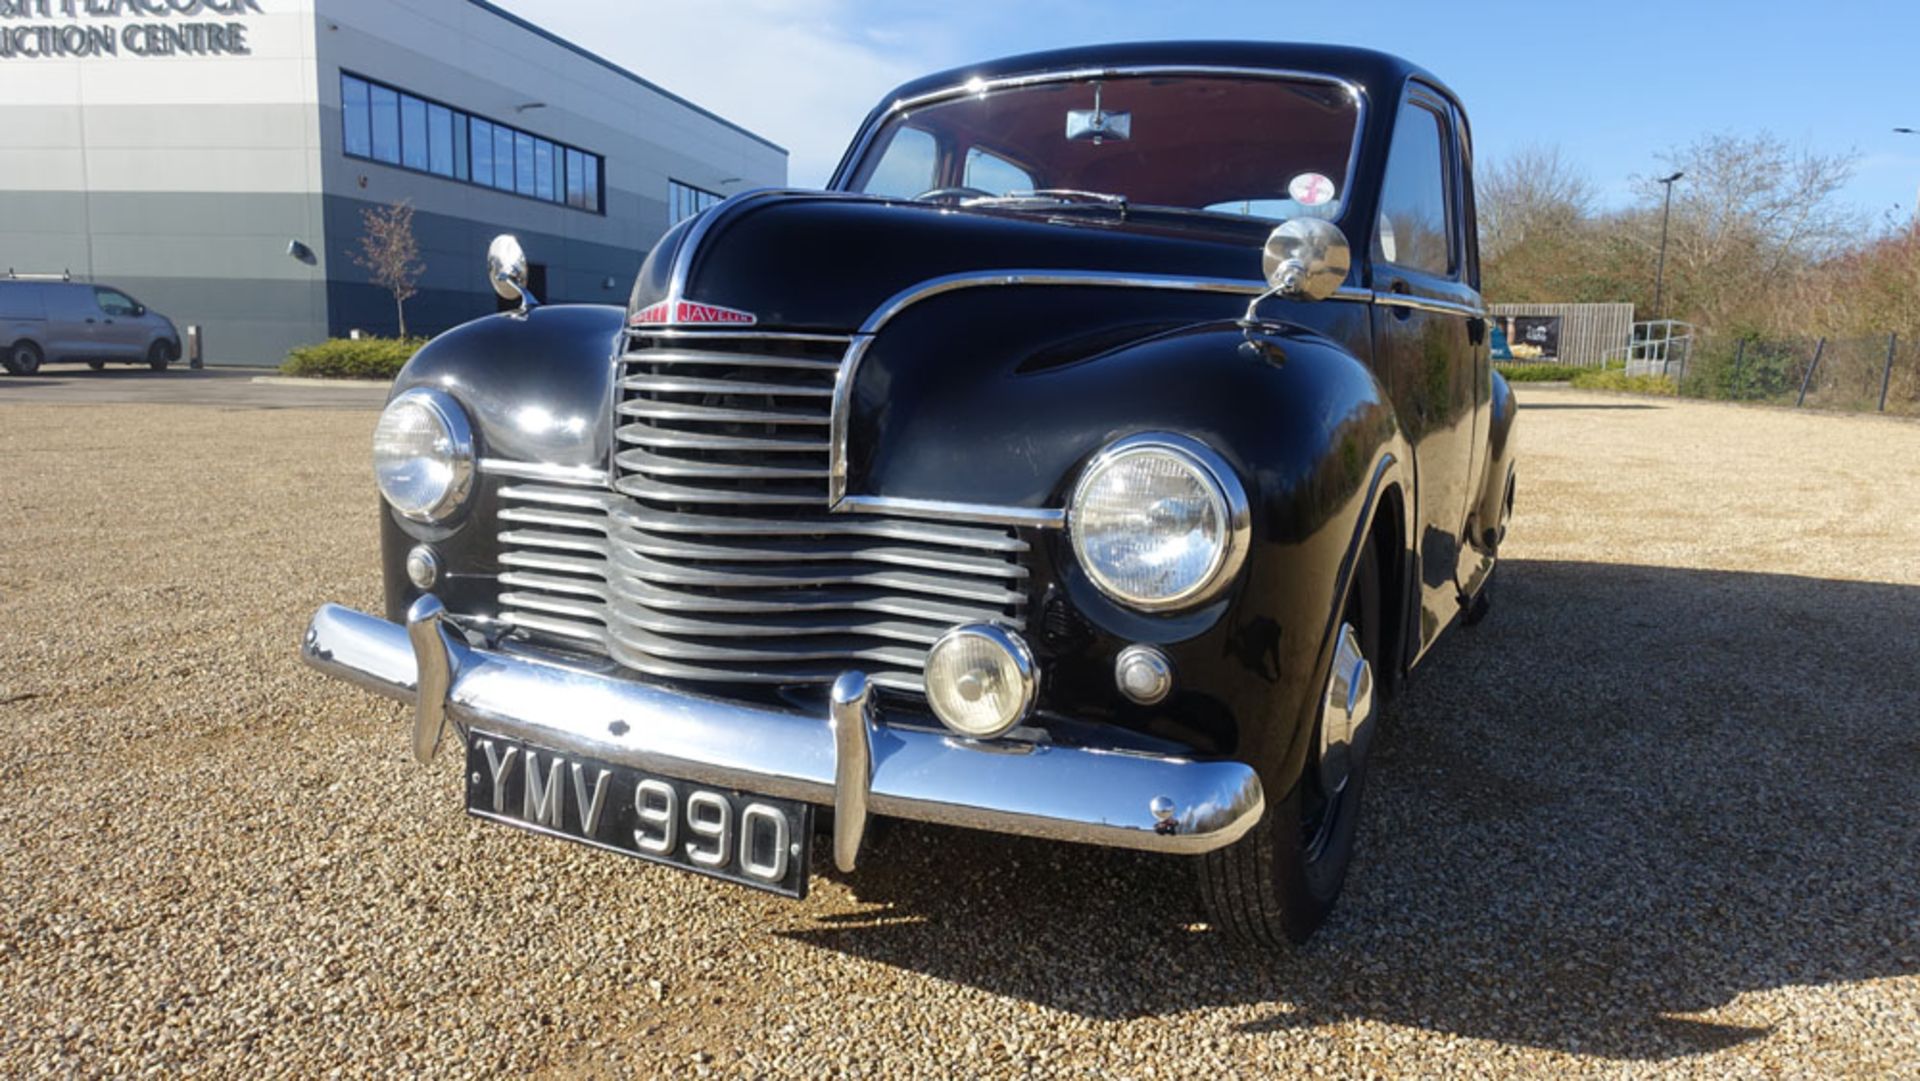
{"x":1658,"y":814}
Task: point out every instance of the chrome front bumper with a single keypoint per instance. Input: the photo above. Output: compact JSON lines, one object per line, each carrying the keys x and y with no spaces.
{"x":851,"y":760}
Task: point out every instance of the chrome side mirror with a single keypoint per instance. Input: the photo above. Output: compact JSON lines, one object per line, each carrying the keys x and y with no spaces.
{"x":1304,"y":259}
{"x":507,"y":271}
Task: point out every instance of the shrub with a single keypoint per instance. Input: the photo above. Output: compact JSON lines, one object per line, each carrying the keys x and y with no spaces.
{"x":352,"y":358}
{"x":1536,"y":373}
{"x":1615,"y":379}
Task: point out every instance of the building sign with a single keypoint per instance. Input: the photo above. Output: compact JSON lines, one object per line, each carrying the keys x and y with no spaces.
{"x":1535,"y":332}
{"x":74,"y":29}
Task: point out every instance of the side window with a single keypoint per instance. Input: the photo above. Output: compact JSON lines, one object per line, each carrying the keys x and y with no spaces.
{"x":906,"y":169}
{"x":114,"y":302}
{"x":1416,"y":221}
{"x":990,"y":172}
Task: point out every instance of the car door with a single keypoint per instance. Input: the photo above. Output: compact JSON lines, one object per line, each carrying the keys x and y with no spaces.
{"x":120,"y":333}
{"x":70,"y":335}
{"x":1427,"y":329}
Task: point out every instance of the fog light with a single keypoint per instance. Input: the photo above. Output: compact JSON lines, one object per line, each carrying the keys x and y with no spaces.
{"x":423,"y":567}
{"x":981,"y":680}
{"x":1143,"y":674}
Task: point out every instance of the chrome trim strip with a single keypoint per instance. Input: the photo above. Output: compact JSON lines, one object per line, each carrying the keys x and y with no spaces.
{"x":1428,"y":304}
{"x":984,"y":513}
{"x":840,"y":417}
{"x":1013,"y":82}
{"x":1054,"y":791}
{"x":745,"y":333}
{"x":1111,"y":279}
{"x":702,"y":224}
{"x":582,"y":475}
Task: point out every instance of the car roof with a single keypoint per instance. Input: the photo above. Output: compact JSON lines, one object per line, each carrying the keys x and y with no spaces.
{"x":1381,"y":74}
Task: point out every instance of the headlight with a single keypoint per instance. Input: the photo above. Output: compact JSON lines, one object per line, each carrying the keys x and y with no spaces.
{"x":423,"y":455}
{"x":981,"y":680}
{"x":1159,"y":522}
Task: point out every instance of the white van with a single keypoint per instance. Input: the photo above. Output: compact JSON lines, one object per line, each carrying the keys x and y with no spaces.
{"x":52,"y":319}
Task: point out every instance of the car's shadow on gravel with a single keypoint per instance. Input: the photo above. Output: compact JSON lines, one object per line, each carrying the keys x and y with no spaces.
{"x":1630,"y":797}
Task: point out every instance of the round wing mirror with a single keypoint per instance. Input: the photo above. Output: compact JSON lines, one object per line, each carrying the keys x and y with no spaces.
{"x":1306,"y":259}
{"x":507,"y":267}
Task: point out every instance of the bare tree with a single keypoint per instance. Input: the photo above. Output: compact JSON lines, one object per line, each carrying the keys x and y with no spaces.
{"x":1535,"y":194}
{"x":1539,"y":238}
{"x":390,"y":254}
{"x":1750,"y":216}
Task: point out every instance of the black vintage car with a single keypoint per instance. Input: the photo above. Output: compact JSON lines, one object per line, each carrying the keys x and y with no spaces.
{"x":1089,"y":462}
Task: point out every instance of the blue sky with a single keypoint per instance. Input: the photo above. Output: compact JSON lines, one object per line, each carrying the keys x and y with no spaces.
{"x":1613,"y":84}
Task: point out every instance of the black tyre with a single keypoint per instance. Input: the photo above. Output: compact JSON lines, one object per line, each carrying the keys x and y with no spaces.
{"x":159,"y":355}
{"x":97,"y":365}
{"x":1277,"y":884}
{"x":1482,"y":602}
{"x":23,"y":358}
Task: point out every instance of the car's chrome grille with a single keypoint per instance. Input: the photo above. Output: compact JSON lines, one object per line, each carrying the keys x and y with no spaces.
{"x":717,"y":559}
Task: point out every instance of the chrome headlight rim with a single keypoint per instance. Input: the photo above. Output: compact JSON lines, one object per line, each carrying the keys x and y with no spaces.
{"x":1230,"y":499}
{"x":1025,"y":668}
{"x":461,"y":458}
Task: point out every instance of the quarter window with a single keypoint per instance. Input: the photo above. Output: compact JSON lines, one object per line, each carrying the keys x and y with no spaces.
{"x":383,"y":124}
{"x":994,"y":174}
{"x":906,"y":169}
{"x":1416,"y":220}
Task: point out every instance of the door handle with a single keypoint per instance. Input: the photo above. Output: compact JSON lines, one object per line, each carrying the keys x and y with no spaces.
{"x":1399,"y":287}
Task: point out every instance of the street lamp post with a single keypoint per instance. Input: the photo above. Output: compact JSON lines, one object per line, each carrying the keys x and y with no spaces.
{"x":1660,"y":275}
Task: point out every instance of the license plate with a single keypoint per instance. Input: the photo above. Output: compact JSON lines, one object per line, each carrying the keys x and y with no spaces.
{"x":753,"y":840}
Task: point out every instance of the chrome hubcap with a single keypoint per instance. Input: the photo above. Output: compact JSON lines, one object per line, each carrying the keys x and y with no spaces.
{"x":1345,"y":710}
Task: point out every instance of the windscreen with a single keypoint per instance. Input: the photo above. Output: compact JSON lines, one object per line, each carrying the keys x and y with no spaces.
{"x":1262,"y":147}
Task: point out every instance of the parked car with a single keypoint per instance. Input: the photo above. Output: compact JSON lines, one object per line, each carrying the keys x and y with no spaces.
{"x":1088,"y":462}
{"x":44,"y":317}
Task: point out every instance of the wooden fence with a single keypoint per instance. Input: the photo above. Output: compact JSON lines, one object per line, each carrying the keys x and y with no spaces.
{"x":1586,"y":331}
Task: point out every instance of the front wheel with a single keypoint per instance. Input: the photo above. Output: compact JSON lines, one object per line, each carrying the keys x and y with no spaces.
{"x":159,"y":356}
{"x":1277,"y":884}
{"x":22,"y":358}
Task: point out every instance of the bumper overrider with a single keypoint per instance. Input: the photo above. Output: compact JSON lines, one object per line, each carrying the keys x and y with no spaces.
{"x":851,"y":760}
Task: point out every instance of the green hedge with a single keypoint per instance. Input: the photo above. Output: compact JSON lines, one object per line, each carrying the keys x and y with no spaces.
{"x":1536,"y":373}
{"x":1615,"y":379}
{"x":350,"y":358}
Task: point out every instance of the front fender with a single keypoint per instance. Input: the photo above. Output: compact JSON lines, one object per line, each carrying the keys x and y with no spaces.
{"x":536,"y":388}
{"x":1002,"y":414}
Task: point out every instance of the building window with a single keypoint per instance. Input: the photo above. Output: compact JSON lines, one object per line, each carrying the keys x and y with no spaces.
{"x":685,"y":200}
{"x":381,"y":123}
{"x":386,"y":125}
{"x":440,"y":140}
{"x":358,"y":122}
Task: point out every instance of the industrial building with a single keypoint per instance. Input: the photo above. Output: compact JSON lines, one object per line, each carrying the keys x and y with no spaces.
{"x":213,"y":158}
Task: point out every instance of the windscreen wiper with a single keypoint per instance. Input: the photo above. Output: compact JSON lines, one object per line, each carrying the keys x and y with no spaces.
{"x":1053,"y":197}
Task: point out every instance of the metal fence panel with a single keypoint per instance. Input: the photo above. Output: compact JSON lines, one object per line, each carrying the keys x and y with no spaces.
{"x":1834,"y":373}
{"x":1587,"y":331}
